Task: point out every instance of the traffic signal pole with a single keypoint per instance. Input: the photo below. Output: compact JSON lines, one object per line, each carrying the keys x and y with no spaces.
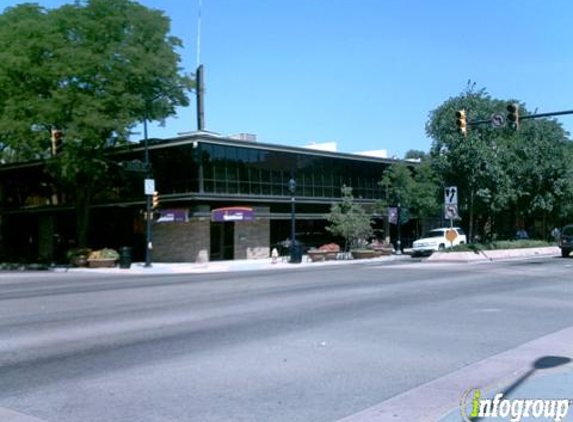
{"x":526,"y":117}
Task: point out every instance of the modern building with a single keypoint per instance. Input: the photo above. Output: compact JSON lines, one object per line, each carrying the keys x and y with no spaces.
{"x":220,"y":198}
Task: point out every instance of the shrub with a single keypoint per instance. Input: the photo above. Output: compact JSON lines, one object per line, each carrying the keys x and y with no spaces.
{"x":500,"y":244}
{"x":106,"y":253}
{"x":330,"y":247}
{"x":74,"y":253}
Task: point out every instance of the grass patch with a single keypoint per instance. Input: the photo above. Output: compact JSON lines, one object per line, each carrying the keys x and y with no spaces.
{"x":501,"y":244}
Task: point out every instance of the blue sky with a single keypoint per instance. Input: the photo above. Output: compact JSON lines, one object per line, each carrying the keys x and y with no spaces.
{"x":364,"y":73}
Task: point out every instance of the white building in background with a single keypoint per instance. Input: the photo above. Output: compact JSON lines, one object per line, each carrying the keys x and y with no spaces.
{"x":378,"y":153}
{"x":324,"y":146}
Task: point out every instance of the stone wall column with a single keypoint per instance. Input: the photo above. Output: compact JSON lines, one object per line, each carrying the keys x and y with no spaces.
{"x":252,"y":238}
{"x":182,"y":242}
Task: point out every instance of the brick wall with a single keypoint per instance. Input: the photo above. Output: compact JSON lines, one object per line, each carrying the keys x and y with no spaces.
{"x":252,"y":239}
{"x":182,"y":242}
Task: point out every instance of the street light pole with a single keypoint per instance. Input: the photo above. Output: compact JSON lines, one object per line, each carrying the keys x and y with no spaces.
{"x":399,"y":227}
{"x":293,"y":249}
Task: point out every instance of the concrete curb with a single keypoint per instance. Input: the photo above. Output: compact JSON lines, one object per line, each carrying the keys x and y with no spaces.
{"x":464,"y":257}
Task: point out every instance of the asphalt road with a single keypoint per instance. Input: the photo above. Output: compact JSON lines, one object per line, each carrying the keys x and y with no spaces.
{"x":314,"y":344}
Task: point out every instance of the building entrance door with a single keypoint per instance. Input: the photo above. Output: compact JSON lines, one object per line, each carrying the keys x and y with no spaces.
{"x":222,"y":241}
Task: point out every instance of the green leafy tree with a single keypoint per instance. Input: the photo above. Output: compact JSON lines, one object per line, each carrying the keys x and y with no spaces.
{"x":398,"y":183}
{"x":417,"y":155}
{"x":415,"y":188}
{"x":349,"y":220}
{"x":473,"y":164}
{"x":426,"y":193}
{"x":541,"y":172}
{"x":91,"y":70}
{"x":491,"y":167}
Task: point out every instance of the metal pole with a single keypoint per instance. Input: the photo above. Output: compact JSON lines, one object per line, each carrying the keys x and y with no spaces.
{"x":200,"y":93}
{"x":149,"y":238}
{"x":399,"y":234}
{"x":292,"y":229}
{"x":293,"y":248}
{"x":525,"y":117}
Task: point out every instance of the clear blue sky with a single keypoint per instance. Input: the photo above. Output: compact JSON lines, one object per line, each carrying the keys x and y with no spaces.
{"x":364,"y":73}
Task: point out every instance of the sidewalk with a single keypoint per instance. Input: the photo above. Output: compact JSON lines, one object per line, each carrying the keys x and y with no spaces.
{"x":267,"y":263}
{"x":535,"y":371}
{"x":235,"y":265}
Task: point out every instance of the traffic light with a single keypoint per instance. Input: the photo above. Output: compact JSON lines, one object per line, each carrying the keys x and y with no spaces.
{"x":155,"y":200}
{"x":513,"y":116}
{"x":462,"y":122}
{"x":57,"y":136}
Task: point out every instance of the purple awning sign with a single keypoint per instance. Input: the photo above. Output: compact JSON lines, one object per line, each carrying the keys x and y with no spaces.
{"x":232,"y":214}
{"x":179,"y":215}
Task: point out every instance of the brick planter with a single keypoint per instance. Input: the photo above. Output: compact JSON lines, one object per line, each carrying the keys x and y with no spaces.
{"x":363,"y":254}
{"x":317,"y":255}
{"x":383,"y":251}
{"x":101,"y":263}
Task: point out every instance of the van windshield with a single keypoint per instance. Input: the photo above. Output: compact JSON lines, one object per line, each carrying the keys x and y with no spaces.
{"x":434,"y":233}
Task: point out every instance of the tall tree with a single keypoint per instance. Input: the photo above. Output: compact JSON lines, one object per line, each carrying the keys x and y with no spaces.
{"x":416,"y":155}
{"x":91,"y":70}
{"x":489,"y":165}
{"x":414,"y":188}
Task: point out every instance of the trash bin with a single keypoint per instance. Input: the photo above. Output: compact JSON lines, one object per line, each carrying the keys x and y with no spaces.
{"x":124,"y":257}
{"x":296,"y":254}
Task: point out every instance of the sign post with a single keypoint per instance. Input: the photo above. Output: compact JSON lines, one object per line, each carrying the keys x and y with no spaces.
{"x":451,"y":211}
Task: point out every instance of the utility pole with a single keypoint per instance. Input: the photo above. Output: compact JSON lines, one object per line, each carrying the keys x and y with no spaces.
{"x":294,"y":250}
{"x":149,"y":188}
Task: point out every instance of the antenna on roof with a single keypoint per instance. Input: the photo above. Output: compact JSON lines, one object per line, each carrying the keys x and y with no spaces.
{"x":200,"y":90}
{"x":199,"y":33}
{"x":200,"y":87}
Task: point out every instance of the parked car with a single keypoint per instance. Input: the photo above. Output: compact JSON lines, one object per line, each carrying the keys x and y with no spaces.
{"x":566,"y":240}
{"x":436,"y":240}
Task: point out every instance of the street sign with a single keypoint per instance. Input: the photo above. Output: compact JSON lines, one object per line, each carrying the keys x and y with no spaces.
{"x":134,"y":165}
{"x":149,"y":186}
{"x":451,"y":212}
{"x":498,"y":120}
{"x":451,"y":195}
{"x":451,"y":235}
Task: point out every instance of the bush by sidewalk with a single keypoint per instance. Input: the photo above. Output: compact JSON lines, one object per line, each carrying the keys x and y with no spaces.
{"x":500,"y":244}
